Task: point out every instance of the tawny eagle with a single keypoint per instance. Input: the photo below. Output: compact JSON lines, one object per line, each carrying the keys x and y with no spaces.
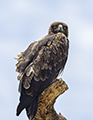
{"x":40,"y":64}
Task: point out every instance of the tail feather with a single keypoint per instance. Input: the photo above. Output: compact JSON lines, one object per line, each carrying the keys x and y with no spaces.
{"x":25,"y":101}
{"x":32,"y":109}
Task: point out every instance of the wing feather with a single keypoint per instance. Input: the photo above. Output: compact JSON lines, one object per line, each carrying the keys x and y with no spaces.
{"x":49,"y":58}
{"x":31,"y":53}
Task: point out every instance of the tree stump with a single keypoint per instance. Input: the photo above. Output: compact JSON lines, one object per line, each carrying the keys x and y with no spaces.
{"x":45,"y":110}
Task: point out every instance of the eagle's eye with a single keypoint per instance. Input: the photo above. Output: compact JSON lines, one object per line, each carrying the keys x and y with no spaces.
{"x":52,"y":26}
{"x":65,"y":27}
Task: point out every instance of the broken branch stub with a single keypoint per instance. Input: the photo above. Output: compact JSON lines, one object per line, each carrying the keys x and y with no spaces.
{"x":45,"y":110}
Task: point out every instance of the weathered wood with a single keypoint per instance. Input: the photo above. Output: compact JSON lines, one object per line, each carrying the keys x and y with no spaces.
{"x":47,"y":99}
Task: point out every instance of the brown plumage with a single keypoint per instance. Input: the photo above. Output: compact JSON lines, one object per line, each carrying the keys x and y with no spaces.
{"x":40,"y":64}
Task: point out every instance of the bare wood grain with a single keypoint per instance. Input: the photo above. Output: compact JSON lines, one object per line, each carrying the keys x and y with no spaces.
{"x":47,"y":99}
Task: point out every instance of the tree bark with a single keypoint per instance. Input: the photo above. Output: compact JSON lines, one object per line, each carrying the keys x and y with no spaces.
{"x":45,"y":110}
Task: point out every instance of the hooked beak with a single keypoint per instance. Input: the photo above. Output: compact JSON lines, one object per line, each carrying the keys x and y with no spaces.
{"x":60,"y":27}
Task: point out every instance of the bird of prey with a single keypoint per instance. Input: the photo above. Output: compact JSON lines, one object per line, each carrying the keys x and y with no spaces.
{"x":39,"y":65}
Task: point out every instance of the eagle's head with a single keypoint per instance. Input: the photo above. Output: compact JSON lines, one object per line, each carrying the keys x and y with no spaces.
{"x":56,"y":27}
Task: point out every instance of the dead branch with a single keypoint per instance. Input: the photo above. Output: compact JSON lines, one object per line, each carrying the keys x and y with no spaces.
{"x":47,"y":99}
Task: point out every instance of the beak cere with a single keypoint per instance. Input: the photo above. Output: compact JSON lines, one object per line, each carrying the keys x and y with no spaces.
{"x":60,"y":27}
